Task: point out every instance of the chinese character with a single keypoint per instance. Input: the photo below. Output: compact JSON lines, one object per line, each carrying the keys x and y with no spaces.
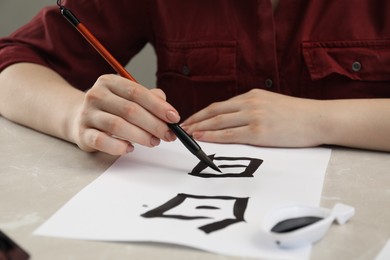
{"x":233,"y":167}
{"x":192,"y":207}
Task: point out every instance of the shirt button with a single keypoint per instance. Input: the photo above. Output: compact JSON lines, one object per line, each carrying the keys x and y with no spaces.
{"x":268,"y":83}
{"x":185,"y":70}
{"x":356,"y":66}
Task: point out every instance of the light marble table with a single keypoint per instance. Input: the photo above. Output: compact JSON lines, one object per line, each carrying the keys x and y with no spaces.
{"x":39,"y":174}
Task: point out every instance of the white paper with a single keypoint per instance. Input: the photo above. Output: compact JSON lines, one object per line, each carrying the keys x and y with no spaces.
{"x":384,"y":254}
{"x":110,"y":208}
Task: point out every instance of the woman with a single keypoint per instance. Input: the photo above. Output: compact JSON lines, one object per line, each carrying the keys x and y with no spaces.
{"x":267,"y":73}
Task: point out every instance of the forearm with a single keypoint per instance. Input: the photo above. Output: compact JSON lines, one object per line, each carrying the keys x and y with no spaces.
{"x":37,"y":97}
{"x":359,"y":123}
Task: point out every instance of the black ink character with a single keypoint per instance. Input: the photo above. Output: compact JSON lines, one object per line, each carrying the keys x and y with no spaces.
{"x":248,"y":170}
{"x":200,"y":204}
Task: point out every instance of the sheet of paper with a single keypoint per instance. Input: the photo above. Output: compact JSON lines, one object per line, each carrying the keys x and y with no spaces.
{"x":385,"y":252}
{"x":166,"y":195}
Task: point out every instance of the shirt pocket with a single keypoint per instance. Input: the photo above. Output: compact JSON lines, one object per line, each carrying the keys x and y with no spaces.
{"x":365,"y":60}
{"x":198,"y":61}
{"x":196,"y":74}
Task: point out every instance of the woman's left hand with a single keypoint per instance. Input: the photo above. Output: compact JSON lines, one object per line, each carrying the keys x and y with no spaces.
{"x":260,"y":118}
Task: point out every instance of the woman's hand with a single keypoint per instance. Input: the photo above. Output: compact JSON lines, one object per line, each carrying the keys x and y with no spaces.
{"x":117,"y":112}
{"x":116,"y":108}
{"x":260,"y":118}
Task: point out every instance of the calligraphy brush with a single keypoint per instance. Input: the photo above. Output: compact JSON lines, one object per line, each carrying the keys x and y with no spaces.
{"x":183,"y":136}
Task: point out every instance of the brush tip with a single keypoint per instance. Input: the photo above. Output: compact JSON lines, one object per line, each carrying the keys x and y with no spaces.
{"x":204,"y":158}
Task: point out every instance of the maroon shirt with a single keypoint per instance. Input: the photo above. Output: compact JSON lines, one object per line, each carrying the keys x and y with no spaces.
{"x":212,"y":50}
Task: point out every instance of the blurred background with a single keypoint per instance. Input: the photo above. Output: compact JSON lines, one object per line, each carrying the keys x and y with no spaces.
{"x":15,"y":13}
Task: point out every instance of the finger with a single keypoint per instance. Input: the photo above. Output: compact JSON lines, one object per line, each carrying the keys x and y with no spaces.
{"x":97,"y":140}
{"x":229,"y":135}
{"x":212,"y":110}
{"x":117,"y":126}
{"x":104,"y":99}
{"x":140,"y":95}
{"x":159,"y":93}
{"x":135,"y":115}
{"x":218,"y":122}
{"x":248,"y":134}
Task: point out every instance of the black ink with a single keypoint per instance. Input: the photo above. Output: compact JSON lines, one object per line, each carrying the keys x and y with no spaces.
{"x":250,"y":169}
{"x":239,"y":208}
{"x":292,"y":224}
{"x":207,"y":207}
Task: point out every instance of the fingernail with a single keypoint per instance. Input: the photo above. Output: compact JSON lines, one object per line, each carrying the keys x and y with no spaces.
{"x":170,"y":136}
{"x":154,"y":141}
{"x":173,"y":117}
{"x":185,"y":128}
{"x":197,"y":135}
{"x":130,"y":148}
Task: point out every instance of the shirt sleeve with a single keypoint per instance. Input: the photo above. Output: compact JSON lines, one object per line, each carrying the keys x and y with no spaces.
{"x":50,"y":40}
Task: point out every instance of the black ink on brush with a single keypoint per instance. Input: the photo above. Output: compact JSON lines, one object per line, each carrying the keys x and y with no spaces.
{"x":192,"y":146}
{"x":185,"y":138}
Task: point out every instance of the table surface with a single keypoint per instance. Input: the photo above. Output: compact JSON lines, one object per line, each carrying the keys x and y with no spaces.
{"x":39,"y":174}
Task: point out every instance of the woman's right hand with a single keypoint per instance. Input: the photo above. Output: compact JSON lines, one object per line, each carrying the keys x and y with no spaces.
{"x":117,"y":112}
